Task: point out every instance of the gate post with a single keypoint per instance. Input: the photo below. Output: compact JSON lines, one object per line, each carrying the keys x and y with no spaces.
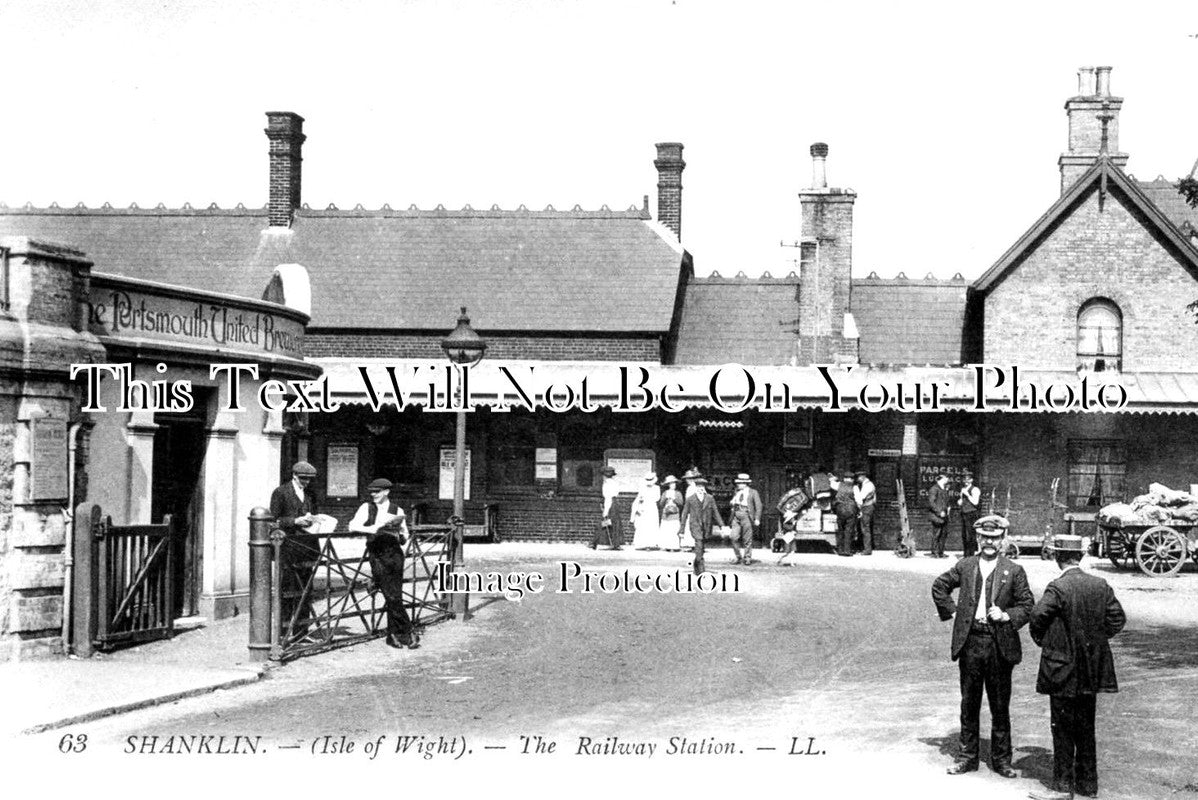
{"x":261,"y":584}
{"x":83,"y":589}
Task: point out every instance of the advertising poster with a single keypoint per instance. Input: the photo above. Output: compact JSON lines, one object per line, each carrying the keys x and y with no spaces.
{"x":262,"y":263}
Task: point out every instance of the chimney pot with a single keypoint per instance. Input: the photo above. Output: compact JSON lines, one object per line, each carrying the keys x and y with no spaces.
{"x":1104,"y":81}
{"x":819,"y":175}
{"x":1085,"y":82}
{"x":669,"y":165}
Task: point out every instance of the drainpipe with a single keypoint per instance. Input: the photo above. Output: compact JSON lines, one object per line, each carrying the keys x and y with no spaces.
{"x":69,"y":547}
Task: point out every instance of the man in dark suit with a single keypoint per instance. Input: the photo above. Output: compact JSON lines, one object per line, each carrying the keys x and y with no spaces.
{"x":746,"y":518}
{"x":1072,"y":623}
{"x":938,"y":514}
{"x":845,"y":506}
{"x":699,"y":512}
{"x":294,"y":508}
{"x":993,"y":603}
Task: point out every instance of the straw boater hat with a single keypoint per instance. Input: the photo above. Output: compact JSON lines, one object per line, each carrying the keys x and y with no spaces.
{"x":1068,"y":544}
{"x":743,"y":478}
{"x":650,"y":477}
{"x":669,"y":479}
{"x":700,"y":481}
{"x":691,"y":474}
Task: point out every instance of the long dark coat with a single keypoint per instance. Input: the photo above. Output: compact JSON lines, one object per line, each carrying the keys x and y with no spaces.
{"x":1011,"y":594}
{"x":1073,"y":623}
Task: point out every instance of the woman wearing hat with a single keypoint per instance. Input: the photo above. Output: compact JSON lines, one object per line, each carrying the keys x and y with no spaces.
{"x":609,"y":530}
{"x":669,"y":507}
{"x":644,"y":515}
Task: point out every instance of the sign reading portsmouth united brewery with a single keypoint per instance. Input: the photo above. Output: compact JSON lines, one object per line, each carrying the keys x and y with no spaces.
{"x":127,"y":309}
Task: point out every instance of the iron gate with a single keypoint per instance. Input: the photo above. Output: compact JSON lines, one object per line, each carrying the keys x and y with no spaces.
{"x":322,"y":595}
{"x":124,"y":591}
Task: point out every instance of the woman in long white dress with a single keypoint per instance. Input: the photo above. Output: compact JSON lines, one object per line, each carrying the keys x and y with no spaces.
{"x":644,"y":515}
{"x":670,"y":508}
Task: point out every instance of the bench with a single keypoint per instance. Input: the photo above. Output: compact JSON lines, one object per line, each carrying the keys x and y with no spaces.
{"x":482,"y":519}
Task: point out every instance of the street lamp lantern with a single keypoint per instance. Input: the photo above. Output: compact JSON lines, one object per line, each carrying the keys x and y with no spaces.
{"x":463,"y":346}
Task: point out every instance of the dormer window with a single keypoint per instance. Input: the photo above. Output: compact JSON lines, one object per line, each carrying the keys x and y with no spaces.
{"x":1099,"y":337}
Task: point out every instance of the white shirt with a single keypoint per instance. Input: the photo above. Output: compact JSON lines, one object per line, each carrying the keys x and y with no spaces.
{"x":298,"y":488}
{"x":358,"y":523}
{"x":986,"y":568}
{"x":610,"y":490}
{"x":866,"y":493}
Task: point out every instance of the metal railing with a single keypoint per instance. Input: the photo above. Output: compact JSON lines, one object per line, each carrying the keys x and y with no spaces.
{"x":310,"y":593}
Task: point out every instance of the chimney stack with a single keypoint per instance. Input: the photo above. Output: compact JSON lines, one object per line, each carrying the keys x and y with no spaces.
{"x":285,"y":131}
{"x":669,"y":165}
{"x":1093,"y":121}
{"x":827,"y":332}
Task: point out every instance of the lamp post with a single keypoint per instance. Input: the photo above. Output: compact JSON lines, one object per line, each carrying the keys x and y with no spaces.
{"x":465,"y":348}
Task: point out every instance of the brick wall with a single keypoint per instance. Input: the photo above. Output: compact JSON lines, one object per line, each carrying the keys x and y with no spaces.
{"x":555,"y":347}
{"x":826,"y":276}
{"x":1031,"y":314}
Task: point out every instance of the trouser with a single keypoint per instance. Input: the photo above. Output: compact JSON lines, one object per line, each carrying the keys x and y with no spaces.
{"x":969,"y":539}
{"x":1074,"y":754}
{"x":982,"y":667}
{"x":742,"y":534}
{"x":939,"y":534}
{"x":844,"y":534}
{"x":387,"y":573}
{"x":866,"y":524}
{"x":700,"y":566}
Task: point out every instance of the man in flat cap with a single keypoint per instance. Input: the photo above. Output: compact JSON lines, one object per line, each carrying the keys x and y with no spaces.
{"x":746,"y":518}
{"x":293,"y":506}
{"x":1073,"y":623}
{"x":938,"y":515}
{"x":383,"y":521}
{"x":993,"y":603}
{"x":699,"y":516}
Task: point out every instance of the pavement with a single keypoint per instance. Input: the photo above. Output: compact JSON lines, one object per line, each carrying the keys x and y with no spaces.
{"x":44,"y":695}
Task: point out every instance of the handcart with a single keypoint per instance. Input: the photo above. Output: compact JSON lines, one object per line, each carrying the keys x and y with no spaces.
{"x":1159,"y":550}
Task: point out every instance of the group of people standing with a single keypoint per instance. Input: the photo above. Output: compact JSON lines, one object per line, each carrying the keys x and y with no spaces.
{"x":940,"y":501}
{"x":1072,"y":622}
{"x":666,"y":518}
{"x":854,"y":503}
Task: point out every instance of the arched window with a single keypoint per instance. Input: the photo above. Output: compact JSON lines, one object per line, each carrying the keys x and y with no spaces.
{"x":1099,"y":337}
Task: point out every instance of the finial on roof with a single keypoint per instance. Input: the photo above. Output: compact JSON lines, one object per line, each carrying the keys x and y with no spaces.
{"x":550,"y":207}
{"x":522,"y":207}
{"x":872,"y":275}
{"x":239,"y":207}
{"x":792,"y":274}
{"x":577,"y":207}
{"x":359,"y":207}
{"x":741,"y":274}
{"x":106,"y":206}
{"x":439,"y":207}
{"x":53,"y":204}
{"x":331,"y":207}
{"x":495,"y":207}
{"x":766,"y":274}
{"x":133,"y":207}
{"x":213,"y":207}
{"x":958,"y":277}
{"x":386,"y":207}
{"x":80,"y":205}
{"x":634,"y":208}
{"x":306,"y":207}
{"x":413,"y":207}
{"x":929,"y":277}
{"x":467,"y":207}
{"x":162,"y":207}
{"x":604,"y":207}
{"x":902,"y":276}
{"x":715,"y":274}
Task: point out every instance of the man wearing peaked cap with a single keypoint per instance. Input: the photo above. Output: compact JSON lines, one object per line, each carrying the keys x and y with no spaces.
{"x":746,"y":518}
{"x":382,"y":519}
{"x":993,"y":603}
{"x":293,"y":506}
{"x":1073,"y":623}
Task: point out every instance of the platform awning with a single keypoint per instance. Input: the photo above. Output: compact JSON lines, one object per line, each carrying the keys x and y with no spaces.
{"x":732,"y":388}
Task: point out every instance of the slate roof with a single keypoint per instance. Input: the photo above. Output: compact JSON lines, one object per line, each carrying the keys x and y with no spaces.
{"x":739,"y":320}
{"x":903,"y":321}
{"x":597,"y":271}
{"x":1163,"y":193}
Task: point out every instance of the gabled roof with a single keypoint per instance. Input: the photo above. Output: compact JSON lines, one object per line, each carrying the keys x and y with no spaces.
{"x":1163,"y":193}
{"x":1102,"y":174}
{"x":904,"y":321}
{"x":739,"y":320}
{"x":596,"y":271}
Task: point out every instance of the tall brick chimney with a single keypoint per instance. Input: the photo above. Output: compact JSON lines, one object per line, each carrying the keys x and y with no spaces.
{"x":285,"y":131}
{"x":669,"y":165}
{"x":827,"y":332}
{"x":1087,"y":112}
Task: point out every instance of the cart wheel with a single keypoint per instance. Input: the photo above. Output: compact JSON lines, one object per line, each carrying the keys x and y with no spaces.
{"x":1118,"y":551}
{"x":1161,"y":551}
{"x":1010,"y":550}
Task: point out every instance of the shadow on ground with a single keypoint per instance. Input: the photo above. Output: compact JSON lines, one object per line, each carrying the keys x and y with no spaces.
{"x":1161,"y":646}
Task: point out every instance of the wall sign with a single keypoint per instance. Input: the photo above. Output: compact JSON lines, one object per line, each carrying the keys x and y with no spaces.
{"x":341,"y":466}
{"x":546,"y":464}
{"x":910,"y":440}
{"x":630,"y":467}
{"x":797,"y":429}
{"x":448,"y":463}
{"x":48,"y":459}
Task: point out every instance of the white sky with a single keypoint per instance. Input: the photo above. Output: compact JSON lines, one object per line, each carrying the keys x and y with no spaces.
{"x":946,"y":118}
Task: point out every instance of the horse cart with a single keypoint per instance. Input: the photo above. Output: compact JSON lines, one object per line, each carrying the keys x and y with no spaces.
{"x":1159,"y":550}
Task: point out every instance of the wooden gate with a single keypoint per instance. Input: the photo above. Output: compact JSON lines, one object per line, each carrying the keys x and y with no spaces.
{"x":123,"y":581}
